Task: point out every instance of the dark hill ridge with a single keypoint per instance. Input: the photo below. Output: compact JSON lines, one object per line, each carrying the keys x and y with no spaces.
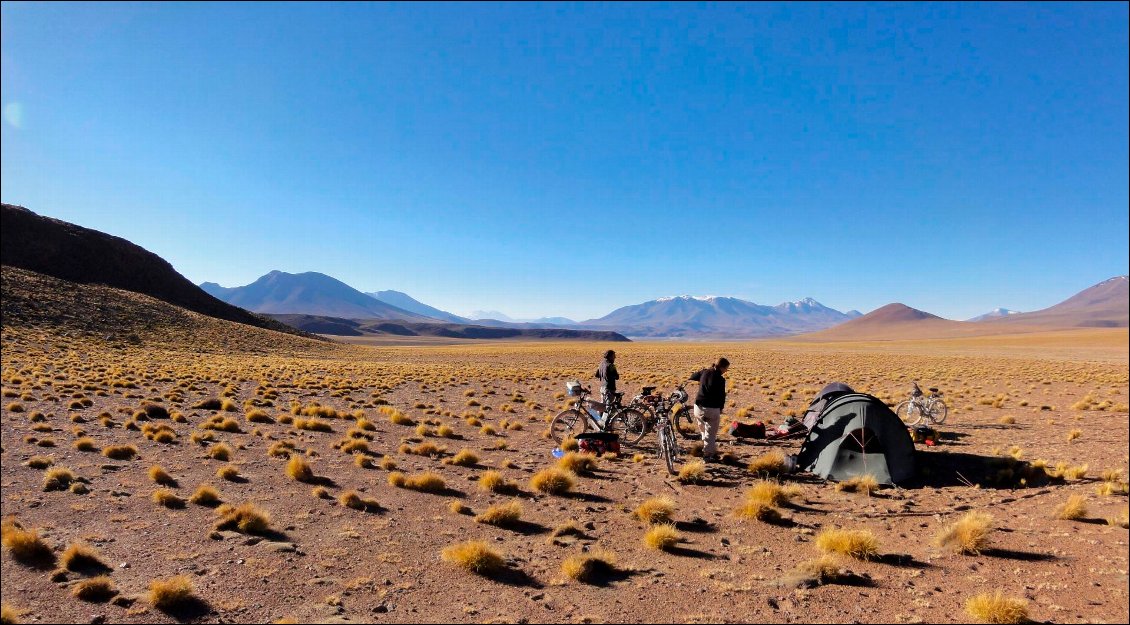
{"x":377,"y":327}
{"x":63,"y":250}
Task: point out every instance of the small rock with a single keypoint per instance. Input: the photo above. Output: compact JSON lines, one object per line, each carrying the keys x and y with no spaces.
{"x":123,"y":565}
{"x":97,"y":619}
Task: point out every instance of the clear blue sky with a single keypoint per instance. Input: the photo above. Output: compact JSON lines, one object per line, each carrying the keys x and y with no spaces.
{"x":570,"y":159}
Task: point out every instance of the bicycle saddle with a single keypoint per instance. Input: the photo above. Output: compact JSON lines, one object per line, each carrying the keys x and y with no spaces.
{"x":933,"y":389}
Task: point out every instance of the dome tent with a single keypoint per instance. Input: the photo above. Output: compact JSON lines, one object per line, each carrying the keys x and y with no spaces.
{"x":855,"y":435}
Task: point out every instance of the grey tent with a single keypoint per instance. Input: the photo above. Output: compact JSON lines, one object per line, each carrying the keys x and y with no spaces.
{"x":826,"y":394}
{"x":855,"y":435}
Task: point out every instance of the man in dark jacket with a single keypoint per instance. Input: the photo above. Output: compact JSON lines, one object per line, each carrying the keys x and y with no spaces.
{"x":607,"y":375}
{"x":709,"y":402}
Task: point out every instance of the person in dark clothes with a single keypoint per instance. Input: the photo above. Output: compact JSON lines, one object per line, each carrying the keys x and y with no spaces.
{"x":607,"y":375}
{"x":709,"y":402}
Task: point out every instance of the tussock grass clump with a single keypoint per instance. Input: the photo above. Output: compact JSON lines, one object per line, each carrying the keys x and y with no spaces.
{"x":25,"y":545}
{"x":662,"y":537}
{"x":969,"y":535}
{"x":570,"y":444}
{"x":1073,"y":435}
{"x":501,"y":515}
{"x":313,"y":425}
{"x":119,"y":452}
{"x":465,"y":458}
{"x":167,"y":498}
{"x":1076,"y":472}
{"x":259,"y":416}
{"x":228,"y":472}
{"x":569,"y":528}
{"x":172,"y":594}
{"x":553,"y":481}
{"x":457,"y":507}
{"x":767,"y":492}
{"x":1073,"y":509}
{"x":474,"y":556}
{"x":864,"y":484}
{"x":280,"y":449}
{"x":692,"y":472}
{"x":220,"y":451}
{"x":655,"y":510}
{"x":321,"y":492}
{"x":387,"y":463}
{"x":427,"y":482}
{"x":9,"y":615}
{"x":58,"y":478}
{"x":445,"y":431}
{"x":96,"y":589}
{"x":399,"y":418}
{"x":859,"y":544}
{"x":1107,"y":489}
{"x":220,"y":423}
{"x":752,"y":509}
{"x":576,"y":462}
{"x":355,"y":445}
{"x":299,"y":470}
{"x":362,"y":461}
{"x":206,"y":496}
{"x":997,"y":608}
{"x":589,"y":568}
{"x":771,"y":464}
{"x":351,"y":499}
{"x":39,"y":462}
{"x":246,"y":518}
{"x":81,"y":557}
{"x":85,"y":444}
{"x":823,"y":570}
{"x":494,"y":482}
{"x":159,"y":475}
{"x":1123,"y":520}
{"x":426,"y":448}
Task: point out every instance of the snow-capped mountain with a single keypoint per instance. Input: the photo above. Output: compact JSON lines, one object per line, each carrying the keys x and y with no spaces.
{"x":715,"y":316}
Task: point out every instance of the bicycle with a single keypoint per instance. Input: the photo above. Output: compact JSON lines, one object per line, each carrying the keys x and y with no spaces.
{"x":917,"y":407}
{"x":585,"y":415}
{"x":667,"y":447}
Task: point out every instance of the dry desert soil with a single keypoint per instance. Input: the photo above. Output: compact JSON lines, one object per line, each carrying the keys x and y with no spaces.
{"x":1033,"y":422}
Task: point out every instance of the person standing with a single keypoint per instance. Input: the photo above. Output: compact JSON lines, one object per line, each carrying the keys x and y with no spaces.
{"x":709,"y":402}
{"x":607,"y":375}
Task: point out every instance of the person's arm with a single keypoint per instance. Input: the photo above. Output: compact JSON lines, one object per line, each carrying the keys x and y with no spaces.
{"x":696,"y":376}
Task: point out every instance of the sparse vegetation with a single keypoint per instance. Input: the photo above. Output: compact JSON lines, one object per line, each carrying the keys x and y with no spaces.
{"x":25,"y":545}
{"x":475,"y":556}
{"x":553,"y":481}
{"x":860,"y":544}
{"x":171,"y":594}
{"x":589,"y":568}
{"x":502,"y":514}
{"x":656,"y":510}
{"x":1073,"y":509}
{"x":662,"y":537}
{"x":997,"y":608}
{"x":969,"y":535}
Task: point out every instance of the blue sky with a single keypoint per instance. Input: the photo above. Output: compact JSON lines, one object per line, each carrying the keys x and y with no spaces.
{"x":571,"y":159}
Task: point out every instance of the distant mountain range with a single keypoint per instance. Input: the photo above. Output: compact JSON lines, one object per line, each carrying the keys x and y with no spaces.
{"x":690,"y":316}
{"x":311,"y":293}
{"x":407,"y":302}
{"x":1104,"y":305}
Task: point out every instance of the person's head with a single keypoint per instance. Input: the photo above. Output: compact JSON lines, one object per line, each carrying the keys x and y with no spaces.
{"x":610,"y":355}
{"x":722,"y":365}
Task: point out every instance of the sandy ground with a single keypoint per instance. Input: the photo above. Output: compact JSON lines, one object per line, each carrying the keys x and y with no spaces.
{"x":326,"y":562}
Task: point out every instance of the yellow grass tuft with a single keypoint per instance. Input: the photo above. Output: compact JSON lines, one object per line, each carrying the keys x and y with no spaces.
{"x":692,"y":472}
{"x":387,"y":463}
{"x":227,"y":472}
{"x":427,"y":482}
{"x":553,"y":481}
{"x":161,"y":476}
{"x":865,"y":484}
{"x":85,"y":444}
{"x":39,"y":462}
{"x":501,"y":515}
{"x":299,"y":470}
{"x":570,"y":444}
{"x":474,"y":556}
{"x":1076,"y":472}
{"x":767,"y":492}
{"x":860,"y":544}
{"x":25,"y":545}
{"x":1073,"y":509}
{"x":576,"y":462}
{"x":167,"y":498}
{"x":351,"y":499}
{"x":997,"y":608}
{"x":119,"y":452}
{"x":494,"y":482}
{"x":171,"y":594}
{"x":9,"y":615}
{"x":662,"y":537}
{"x":826,"y":569}
{"x":96,"y":589}
{"x":246,"y":518}
{"x":1073,"y":435}
{"x":656,"y":510}
{"x":969,"y":535}
{"x":206,"y":496}
{"x":457,"y":507}
{"x":465,"y":458}
{"x":80,"y":557}
{"x":758,"y":510}
{"x":589,"y":567}
{"x":58,"y":478}
{"x":769,"y":465}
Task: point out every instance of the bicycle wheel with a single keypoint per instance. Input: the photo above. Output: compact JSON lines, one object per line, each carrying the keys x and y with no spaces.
{"x":568,"y":424}
{"x":629,"y":425}
{"x":909,"y":412}
{"x":686,"y":424}
{"x":937,"y":411}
